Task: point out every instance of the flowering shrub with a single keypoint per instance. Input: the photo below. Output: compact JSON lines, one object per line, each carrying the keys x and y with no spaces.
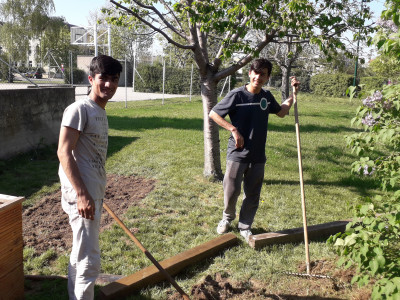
{"x":387,"y":26}
{"x":379,"y":144}
{"x":371,"y":242}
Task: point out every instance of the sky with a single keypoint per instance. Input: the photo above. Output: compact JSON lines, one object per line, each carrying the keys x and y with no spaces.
{"x":77,"y":12}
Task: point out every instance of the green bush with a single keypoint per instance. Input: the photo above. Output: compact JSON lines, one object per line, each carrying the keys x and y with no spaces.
{"x":371,"y":245}
{"x":373,"y":83}
{"x":78,"y":74}
{"x":305,"y":83}
{"x":177,"y":80}
{"x":331,"y":85}
{"x":23,"y":69}
{"x":276,"y":82}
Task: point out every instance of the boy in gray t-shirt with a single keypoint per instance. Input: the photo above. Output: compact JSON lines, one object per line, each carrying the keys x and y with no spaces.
{"x":82,"y":151}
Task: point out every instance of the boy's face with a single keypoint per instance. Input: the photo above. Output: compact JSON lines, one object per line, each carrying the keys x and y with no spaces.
{"x":258,"y":78}
{"x":104,"y":86}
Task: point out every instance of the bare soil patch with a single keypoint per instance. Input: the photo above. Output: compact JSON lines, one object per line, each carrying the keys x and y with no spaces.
{"x":45,"y":225}
{"x":329,"y":284}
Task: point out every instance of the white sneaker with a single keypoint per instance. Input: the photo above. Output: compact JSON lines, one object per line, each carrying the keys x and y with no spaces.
{"x":223,"y":226}
{"x":246,"y":234}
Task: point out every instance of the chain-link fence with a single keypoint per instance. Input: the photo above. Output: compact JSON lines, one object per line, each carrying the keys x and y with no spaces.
{"x":151,"y":76}
{"x":16,"y":76}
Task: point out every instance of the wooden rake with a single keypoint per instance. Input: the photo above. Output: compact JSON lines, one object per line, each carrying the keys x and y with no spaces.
{"x":147,"y":253}
{"x":303,"y":201}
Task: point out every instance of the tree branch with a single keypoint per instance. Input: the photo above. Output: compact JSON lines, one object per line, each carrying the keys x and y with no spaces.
{"x":233,"y":38}
{"x":172,"y":14}
{"x":161,"y":16}
{"x":179,"y":45}
{"x":245,"y":60}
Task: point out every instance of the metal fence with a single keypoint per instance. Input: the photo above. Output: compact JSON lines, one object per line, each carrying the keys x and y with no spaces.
{"x":17,"y":77}
{"x":11,"y":77}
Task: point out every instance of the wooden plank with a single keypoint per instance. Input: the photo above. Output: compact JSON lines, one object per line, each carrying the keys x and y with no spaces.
{"x":16,"y":225}
{"x":173,"y":265}
{"x":6,"y":201}
{"x":296,"y":235}
{"x":10,"y":260}
{"x":12,"y":284}
{"x":10,"y":213}
{"x":10,"y":239}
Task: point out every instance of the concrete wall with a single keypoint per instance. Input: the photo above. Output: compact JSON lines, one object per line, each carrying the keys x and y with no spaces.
{"x":29,"y":117}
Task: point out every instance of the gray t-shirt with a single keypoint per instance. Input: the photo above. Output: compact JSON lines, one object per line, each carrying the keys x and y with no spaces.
{"x":249,"y":114}
{"x":91,"y":148}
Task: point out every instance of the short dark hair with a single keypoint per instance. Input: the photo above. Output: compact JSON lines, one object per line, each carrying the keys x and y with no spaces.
{"x":261,"y":63}
{"x":104,"y":64}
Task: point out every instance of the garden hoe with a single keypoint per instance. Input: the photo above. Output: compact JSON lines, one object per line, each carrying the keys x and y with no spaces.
{"x":147,"y":253}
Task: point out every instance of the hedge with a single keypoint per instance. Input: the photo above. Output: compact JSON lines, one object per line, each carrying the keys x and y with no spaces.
{"x":78,"y":75}
{"x":276,"y":82}
{"x":177,"y":80}
{"x":331,"y":85}
{"x":373,"y":83}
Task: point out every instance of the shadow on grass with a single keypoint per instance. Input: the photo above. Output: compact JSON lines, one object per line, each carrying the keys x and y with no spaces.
{"x":331,"y":154}
{"x":46,"y":289}
{"x":116,"y":143}
{"x":142,"y":123}
{"x":25,"y":174}
{"x":336,"y":157}
{"x":361,"y":185}
{"x":309,"y":128}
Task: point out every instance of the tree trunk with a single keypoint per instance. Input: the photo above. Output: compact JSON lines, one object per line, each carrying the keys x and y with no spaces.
{"x":212,"y":157}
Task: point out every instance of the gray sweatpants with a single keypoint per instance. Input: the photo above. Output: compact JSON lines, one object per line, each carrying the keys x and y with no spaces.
{"x":252,"y":176}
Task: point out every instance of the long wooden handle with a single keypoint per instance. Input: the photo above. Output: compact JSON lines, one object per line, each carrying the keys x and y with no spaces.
{"x":303,"y":201}
{"x":147,"y":253}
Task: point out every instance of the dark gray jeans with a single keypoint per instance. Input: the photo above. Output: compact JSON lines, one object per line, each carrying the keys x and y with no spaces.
{"x":252,"y":176}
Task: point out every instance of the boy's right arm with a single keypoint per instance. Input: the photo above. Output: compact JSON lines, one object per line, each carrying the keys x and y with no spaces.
{"x":228,"y":126}
{"x":67,"y":142}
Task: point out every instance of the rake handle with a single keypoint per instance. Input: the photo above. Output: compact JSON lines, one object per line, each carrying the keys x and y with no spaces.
{"x":147,"y":253}
{"x":303,"y":201}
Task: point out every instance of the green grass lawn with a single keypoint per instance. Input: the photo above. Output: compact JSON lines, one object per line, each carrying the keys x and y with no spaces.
{"x":165,"y":143}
